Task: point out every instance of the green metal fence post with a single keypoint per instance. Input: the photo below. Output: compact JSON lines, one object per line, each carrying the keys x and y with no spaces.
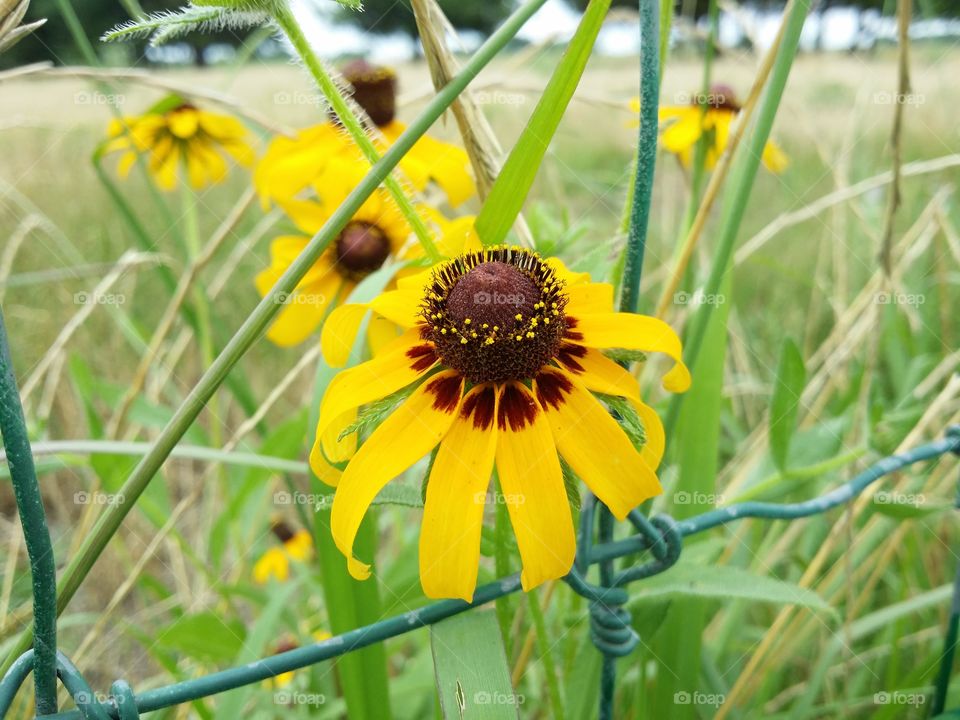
{"x":35,"y":532}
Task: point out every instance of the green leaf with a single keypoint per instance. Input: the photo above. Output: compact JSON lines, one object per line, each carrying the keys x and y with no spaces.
{"x":164,"y":26}
{"x":788,"y":386}
{"x":724,"y":582}
{"x":627,"y":417}
{"x":473,"y":679}
{"x":206,"y":637}
{"x":621,"y":355}
{"x":376,"y":412}
{"x":513,"y":184}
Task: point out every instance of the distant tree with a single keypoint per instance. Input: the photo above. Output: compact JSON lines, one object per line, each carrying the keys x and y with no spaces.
{"x":386,"y":16}
{"x":54,"y":42}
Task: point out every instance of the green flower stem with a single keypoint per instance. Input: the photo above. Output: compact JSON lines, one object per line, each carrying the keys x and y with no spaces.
{"x":646,"y":155}
{"x":352,"y":123}
{"x":39,"y":548}
{"x":258,"y":320}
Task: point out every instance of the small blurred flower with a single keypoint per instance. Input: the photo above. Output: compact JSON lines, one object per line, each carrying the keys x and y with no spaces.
{"x":285,"y":645}
{"x":709,"y":115}
{"x":502,"y":352}
{"x":177,"y":134}
{"x":291,"y":165}
{"x":295,"y":546}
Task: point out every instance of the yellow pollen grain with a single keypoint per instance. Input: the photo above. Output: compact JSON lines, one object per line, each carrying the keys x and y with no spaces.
{"x":530,"y":334}
{"x":467,"y":321}
{"x":485,"y":326}
{"x":546,"y":321}
{"x":518,"y":316}
{"x":519,"y":337}
{"x":488,"y":341}
{"x":463,"y":341}
{"x":443,"y":331}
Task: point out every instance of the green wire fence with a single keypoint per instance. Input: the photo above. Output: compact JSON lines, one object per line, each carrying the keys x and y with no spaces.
{"x":658,"y":541}
{"x":660,"y":538}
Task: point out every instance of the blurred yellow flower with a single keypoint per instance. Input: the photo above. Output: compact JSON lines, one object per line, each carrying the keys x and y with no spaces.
{"x":177,"y":134}
{"x":709,"y":115}
{"x":296,"y":546}
{"x":502,"y":351}
{"x":291,"y":165}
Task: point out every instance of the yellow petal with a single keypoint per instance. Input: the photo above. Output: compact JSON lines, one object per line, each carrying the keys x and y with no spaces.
{"x":590,"y":298}
{"x":308,"y":215}
{"x":533,"y":488}
{"x":565,"y":275}
{"x":632,"y":332}
{"x":127,"y":161}
{"x":774,"y":159}
{"x":652,"y":451}
{"x":456,"y":496}
{"x":381,"y":334}
{"x":300,"y":546}
{"x":272,"y":564}
{"x":304,"y":309}
{"x":221,"y":127}
{"x":328,"y":448}
{"x":594,"y":445}
{"x":409,"y":433}
{"x":340,"y":332}
{"x":597,"y":372}
{"x":684,"y":133}
{"x":184,"y":123}
{"x":375,"y":379}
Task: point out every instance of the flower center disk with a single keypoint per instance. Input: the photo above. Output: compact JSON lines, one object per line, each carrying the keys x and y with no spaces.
{"x":495,"y":315}
{"x":361,"y":249}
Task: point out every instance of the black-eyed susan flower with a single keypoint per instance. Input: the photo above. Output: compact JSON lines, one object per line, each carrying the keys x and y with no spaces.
{"x":501,"y":366}
{"x":176,"y":134}
{"x":291,"y":165}
{"x":707,"y":115}
{"x":295,"y":546}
